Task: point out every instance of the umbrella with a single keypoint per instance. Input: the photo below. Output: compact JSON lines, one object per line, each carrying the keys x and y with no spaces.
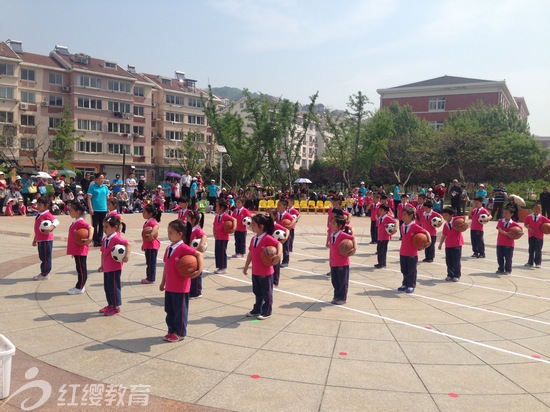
{"x":43,"y":175}
{"x":518,"y":200}
{"x":67,"y":173}
{"x":303,"y":180}
{"x":173,"y":174}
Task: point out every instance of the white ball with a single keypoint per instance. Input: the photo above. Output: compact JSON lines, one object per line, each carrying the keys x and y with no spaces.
{"x":279,"y":234}
{"x":294,"y":216}
{"x":390,"y":228}
{"x":195,"y":243}
{"x":45,"y":225}
{"x":247,"y":221}
{"x":118,"y":253}
{"x":436,"y":221}
{"x":483,"y":218}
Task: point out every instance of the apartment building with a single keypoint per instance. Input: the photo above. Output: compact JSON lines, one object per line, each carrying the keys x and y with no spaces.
{"x":126,"y":120}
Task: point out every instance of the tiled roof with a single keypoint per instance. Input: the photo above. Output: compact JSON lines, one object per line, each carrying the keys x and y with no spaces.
{"x":96,"y":66}
{"x":39,"y":59}
{"x":444,"y":81}
{"x":6,"y":51}
{"x":175,"y":85}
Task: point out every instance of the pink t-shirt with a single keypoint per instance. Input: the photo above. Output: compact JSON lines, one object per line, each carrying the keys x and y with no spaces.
{"x":182,"y":214}
{"x":155,"y":244}
{"x":474,"y":221}
{"x":38,"y":235}
{"x":535,"y":223}
{"x":426,"y":221}
{"x":239,"y":215}
{"x":381,"y":223}
{"x":113,"y":213}
{"x":407,"y":246}
{"x":503,"y":240}
{"x":174,"y":282}
{"x":336,"y":259}
{"x":374,"y":207}
{"x":400,"y":209}
{"x":109,"y":264}
{"x":258,"y":267}
{"x":73,"y":248}
{"x":453,"y":238}
{"x":196,"y":233}
{"x":219,"y":220}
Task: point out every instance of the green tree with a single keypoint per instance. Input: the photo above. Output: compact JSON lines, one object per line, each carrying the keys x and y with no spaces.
{"x":62,"y":147}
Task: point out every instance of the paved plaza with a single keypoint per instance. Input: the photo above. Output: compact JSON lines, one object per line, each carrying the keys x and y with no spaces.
{"x":482,"y":344}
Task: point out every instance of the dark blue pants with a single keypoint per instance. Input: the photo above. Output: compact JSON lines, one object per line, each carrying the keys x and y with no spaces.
{"x":111,"y":284}
{"x":452,"y":259}
{"x":45,"y":255}
{"x":286,"y":253}
{"x":151,"y":263}
{"x":373,"y":231}
{"x":176,"y":306}
{"x":339,"y":275}
{"x":81,"y":271}
{"x":220,"y":253}
{"x":478,"y":244}
{"x":240,"y":243}
{"x":97,"y":223}
{"x":262,"y":286}
{"x":429,"y":252}
{"x":535,"y":251}
{"x":196,"y":287}
{"x":276,"y":274}
{"x":408,"y":269}
{"x":382,"y":251}
{"x":290,"y":240}
{"x":504,"y":258}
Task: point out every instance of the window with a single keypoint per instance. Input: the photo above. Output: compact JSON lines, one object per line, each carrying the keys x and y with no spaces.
{"x":197,"y":137}
{"x":6,"y":141}
{"x":209,"y":139}
{"x":90,"y":125}
{"x":54,"y":122}
{"x":139,"y":150}
{"x":88,"y":103}
{"x":172,"y":99}
{"x":173,"y":153}
{"x":27,"y":120}
{"x":139,"y":91}
{"x":90,"y":147}
{"x":241,"y":105}
{"x":166,"y":81}
{"x":28,"y":97}
{"x":437,"y":125}
{"x":56,"y":101}
{"x":26,"y":143}
{"x":6,"y":92}
{"x":6,"y":117}
{"x":56,"y":78}
{"x":110,"y":65}
{"x":27,"y":74}
{"x":117,"y":86}
{"x":119,"y":107}
{"x":115,"y":148}
{"x":174,"y":117}
{"x":6,"y":69}
{"x":139,"y":111}
{"x":195,"y":119}
{"x":87,"y":81}
{"x":118,"y":128}
{"x":437,"y":104}
{"x":171,"y":135}
{"x":195,"y":102}
{"x":139,"y":130}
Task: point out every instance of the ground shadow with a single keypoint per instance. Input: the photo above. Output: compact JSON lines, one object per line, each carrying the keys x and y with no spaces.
{"x":383,"y":293}
{"x":137,"y":345}
{"x":152,"y":301}
{"x":80,"y":317}
{"x":41,"y":296}
{"x":304,"y":306}
{"x":229,"y":322}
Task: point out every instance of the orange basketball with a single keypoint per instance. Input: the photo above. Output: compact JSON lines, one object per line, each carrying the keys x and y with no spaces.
{"x":460,"y":225}
{"x":545,"y":228}
{"x":515,"y":232}
{"x":286,"y":223}
{"x":146,"y":234}
{"x":187,"y":265}
{"x":268,"y":255}
{"x":420,"y":241}
{"x":345,"y":247}
{"x":228,"y":227}
{"x":80,"y":236}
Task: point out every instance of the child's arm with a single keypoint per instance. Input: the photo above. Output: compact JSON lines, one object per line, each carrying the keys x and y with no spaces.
{"x":354,"y":248}
{"x":128,"y":252}
{"x":443,"y":237}
{"x":327,"y":244}
{"x":163,"y":281}
{"x":200,"y":264}
{"x":203,"y":244}
{"x":279,"y":256}
{"x":90,"y":235}
{"x":429,"y":238}
{"x":247,"y":263}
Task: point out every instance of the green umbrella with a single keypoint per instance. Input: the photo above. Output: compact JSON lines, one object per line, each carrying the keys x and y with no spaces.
{"x":67,"y":173}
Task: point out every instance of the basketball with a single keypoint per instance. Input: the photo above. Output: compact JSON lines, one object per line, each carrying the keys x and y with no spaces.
{"x":286,"y":223}
{"x":484,"y":218}
{"x":187,"y":265}
{"x":146,"y":234}
{"x":80,"y":236}
{"x":268,"y":254}
{"x":436,"y":221}
{"x":345,"y":247}
{"x":460,"y":225}
{"x":420,"y":241}
{"x":228,"y":227}
{"x":515,"y":232}
{"x":545,"y":228}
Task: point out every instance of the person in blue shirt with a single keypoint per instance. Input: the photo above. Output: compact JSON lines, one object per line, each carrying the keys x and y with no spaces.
{"x":97,"y":205}
{"x":167,"y":189}
{"x":212,"y":192}
{"x":116,"y":184}
{"x":193,"y":193}
{"x":397,"y":192}
{"x":481,"y":192}
{"x":362,"y":190}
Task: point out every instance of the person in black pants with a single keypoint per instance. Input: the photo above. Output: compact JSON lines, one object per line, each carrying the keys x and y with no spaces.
{"x":97,"y":205}
{"x":544,"y":199}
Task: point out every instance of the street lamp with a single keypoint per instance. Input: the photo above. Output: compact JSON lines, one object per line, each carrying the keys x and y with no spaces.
{"x":221,"y":150}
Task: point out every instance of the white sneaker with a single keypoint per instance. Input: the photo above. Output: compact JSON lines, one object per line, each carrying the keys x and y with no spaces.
{"x":76,"y":291}
{"x":538,"y":266}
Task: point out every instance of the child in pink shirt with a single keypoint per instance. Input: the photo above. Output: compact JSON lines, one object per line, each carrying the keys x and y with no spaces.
{"x":221,"y":236}
{"x":239,"y":213}
{"x":151,"y":244}
{"x":533,"y":223}
{"x":43,"y":240}
{"x":505,"y":244}
{"x":195,"y":223}
{"x":453,"y":240}
{"x":77,"y":250}
{"x":408,"y":253}
{"x":339,"y":264}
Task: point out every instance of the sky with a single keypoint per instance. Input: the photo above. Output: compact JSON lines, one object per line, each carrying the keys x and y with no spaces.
{"x":295,"y":48}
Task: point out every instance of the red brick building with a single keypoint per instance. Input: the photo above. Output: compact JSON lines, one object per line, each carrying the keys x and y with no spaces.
{"x":434,"y":99}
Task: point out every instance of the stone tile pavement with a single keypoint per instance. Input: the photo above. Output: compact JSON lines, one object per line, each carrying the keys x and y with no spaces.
{"x":480,"y":344}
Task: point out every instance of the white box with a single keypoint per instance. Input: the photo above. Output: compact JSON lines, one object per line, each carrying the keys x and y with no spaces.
{"x":7,"y":350}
